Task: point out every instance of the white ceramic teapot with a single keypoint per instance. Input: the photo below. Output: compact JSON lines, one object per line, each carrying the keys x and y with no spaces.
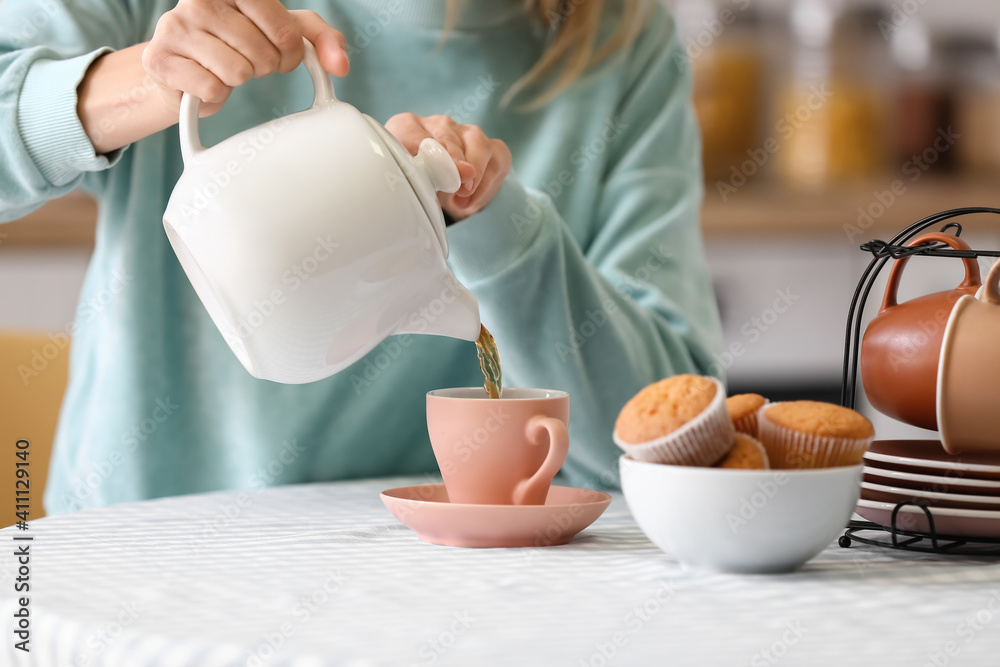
{"x":313,"y":237}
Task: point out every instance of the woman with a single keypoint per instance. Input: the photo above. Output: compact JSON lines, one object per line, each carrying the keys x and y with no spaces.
{"x":586,"y":257}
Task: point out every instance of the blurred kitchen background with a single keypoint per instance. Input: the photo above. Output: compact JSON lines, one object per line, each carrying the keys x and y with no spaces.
{"x":825,"y":124}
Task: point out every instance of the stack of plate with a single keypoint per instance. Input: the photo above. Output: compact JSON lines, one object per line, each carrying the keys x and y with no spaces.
{"x":962,"y":492}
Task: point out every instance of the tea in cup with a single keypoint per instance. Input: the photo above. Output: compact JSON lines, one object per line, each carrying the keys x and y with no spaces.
{"x":498,"y":451}
{"x":968,"y":387}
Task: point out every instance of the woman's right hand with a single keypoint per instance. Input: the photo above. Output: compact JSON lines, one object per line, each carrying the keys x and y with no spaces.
{"x":208,"y":47}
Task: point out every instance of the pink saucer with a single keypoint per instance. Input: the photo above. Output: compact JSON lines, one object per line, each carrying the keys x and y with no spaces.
{"x":425,"y":509}
{"x":948,"y":521}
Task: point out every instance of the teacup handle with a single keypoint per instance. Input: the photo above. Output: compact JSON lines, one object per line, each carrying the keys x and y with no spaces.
{"x":972,"y":274}
{"x":539,"y":431}
{"x":190,"y":105}
{"x":991,"y":291}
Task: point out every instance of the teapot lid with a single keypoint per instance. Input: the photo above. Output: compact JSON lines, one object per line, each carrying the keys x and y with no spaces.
{"x":432,"y":170}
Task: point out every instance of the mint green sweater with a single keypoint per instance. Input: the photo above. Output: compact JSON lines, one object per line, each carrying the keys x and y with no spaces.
{"x":588,"y":266}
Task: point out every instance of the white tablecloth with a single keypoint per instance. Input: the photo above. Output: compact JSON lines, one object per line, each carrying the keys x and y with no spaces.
{"x":324,"y":575}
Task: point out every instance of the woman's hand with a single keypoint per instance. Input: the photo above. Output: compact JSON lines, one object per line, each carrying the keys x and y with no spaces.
{"x":208,"y":47}
{"x":482,"y":163}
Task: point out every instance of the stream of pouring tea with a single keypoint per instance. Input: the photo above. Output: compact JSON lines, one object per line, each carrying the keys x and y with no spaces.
{"x":489,"y":362}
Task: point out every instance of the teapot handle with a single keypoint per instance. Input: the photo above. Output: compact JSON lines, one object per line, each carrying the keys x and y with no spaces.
{"x":190,"y":105}
{"x":972,"y":274}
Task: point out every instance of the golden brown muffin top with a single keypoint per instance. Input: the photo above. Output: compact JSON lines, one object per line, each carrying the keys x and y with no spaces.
{"x":747,"y":453}
{"x":822,"y":419}
{"x":663,"y":407}
{"x":741,"y":405}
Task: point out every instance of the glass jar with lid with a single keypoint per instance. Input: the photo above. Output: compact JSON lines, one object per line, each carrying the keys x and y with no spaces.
{"x":833,"y":108}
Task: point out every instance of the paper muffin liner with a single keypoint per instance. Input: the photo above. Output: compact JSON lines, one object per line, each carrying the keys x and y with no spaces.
{"x":748,"y":424}
{"x":789,"y":449}
{"x":702,"y":441}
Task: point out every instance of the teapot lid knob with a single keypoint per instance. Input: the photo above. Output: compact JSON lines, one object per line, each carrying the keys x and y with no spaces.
{"x":440,"y":168}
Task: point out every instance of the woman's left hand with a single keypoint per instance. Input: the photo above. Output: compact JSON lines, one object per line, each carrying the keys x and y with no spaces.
{"x":482,"y":163}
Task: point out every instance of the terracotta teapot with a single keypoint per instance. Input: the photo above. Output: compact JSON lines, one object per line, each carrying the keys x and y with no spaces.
{"x":902,"y":344}
{"x":311,"y":238}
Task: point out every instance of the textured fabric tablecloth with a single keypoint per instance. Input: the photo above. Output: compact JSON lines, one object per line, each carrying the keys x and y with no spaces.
{"x":324,"y":575}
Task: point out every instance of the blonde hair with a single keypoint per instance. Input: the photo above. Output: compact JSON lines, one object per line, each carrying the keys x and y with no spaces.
{"x":573,"y":50}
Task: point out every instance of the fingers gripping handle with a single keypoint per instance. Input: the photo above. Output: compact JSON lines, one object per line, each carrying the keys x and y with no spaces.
{"x":543,"y":430}
{"x":190,"y":105}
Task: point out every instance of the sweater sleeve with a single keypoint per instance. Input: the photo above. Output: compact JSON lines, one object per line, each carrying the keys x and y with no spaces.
{"x":632,"y":307}
{"x":45,"y":50}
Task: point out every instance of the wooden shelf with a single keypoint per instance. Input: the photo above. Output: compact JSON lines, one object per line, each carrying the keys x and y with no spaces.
{"x":863,"y":211}
{"x":752,"y":210}
{"x":69,"y":221}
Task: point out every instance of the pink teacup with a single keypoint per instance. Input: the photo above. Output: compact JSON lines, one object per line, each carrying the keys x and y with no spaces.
{"x":968,"y":398}
{"x":498,"y":451}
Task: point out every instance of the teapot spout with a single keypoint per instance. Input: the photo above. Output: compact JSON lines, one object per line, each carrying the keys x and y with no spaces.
{"x":449,"y":309}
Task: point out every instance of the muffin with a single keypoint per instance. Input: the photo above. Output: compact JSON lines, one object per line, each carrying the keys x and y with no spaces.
{"x":681,"y":420}
{"x":809,"y":434}
{"x":747,"y":453}
{"x":743,"y":410}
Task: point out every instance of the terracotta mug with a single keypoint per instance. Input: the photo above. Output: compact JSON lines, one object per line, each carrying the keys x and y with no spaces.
{"x":902,"y":344}
{"x":968,"y":388}
{"x":498,"y":451}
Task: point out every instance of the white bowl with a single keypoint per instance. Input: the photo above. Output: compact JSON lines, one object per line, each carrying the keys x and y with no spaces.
{"x":745,"y":521}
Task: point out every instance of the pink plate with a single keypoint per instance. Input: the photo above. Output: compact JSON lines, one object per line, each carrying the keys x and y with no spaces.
{"x":895,"y":494}
{"x":425,"y":509}
{"x":950,"y":481}
{"x":928,"y":456}
{"x":948,"y":521}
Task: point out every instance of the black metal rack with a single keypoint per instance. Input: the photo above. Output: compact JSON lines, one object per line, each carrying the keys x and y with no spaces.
{"x":896,"y":248}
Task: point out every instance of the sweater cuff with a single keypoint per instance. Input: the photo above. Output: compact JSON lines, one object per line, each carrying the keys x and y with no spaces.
{"x":490,"y":241}
{"x":48,"y":122}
